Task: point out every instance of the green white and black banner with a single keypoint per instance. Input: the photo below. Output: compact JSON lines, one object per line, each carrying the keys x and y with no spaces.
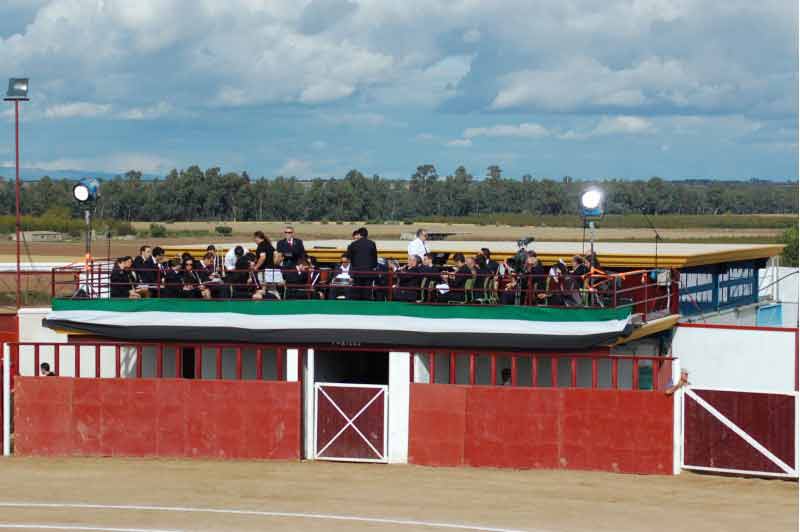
{"x":339,"y":322}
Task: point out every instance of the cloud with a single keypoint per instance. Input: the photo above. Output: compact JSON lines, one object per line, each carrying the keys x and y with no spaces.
{"x":459,"y":143}
{"x":296,"y":168}
{"x":77,"y":110}
{"x":425,"y":137}
{"x":525,"y":130}
{"x":319,"y":145}
{"x":146,"y":113}
{"x":114,"y":162}
{"x":612,"y":125}
{"x":358,"y":119}
{"x":471,"y":36}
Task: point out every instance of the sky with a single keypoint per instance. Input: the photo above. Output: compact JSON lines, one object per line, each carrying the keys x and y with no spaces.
{"x":314,"y":88}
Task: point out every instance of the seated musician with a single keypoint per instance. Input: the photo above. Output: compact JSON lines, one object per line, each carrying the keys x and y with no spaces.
{"x":193,"y":286}
{"x":456,"y":280}
{"x":409,"y":278}
{"x":297,"y":280}
{"x":575,"y":281}
{"x":123,"y":280}
{"x":491,"y":264}
{"x":173,"y":280}
{"x":509,"y":283}
{"x":555,"y":285}
{"x":341,"y":279}
{"x":243,"y":282}
{"x":534,"y":282}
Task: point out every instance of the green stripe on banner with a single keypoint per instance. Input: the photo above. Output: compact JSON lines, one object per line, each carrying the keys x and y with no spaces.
{"x":344,"y":307}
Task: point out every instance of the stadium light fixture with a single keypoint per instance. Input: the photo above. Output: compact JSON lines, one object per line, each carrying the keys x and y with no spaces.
{"x":592,"y":203}
{"x":87,"y":189}
{"x":17,"y":89}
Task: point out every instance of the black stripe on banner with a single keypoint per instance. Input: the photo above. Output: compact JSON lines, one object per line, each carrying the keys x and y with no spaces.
{"x":339,"y":337}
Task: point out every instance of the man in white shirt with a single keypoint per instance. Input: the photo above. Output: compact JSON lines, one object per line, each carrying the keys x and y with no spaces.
{"x":417,"y":246}
{"x":231,"y":257}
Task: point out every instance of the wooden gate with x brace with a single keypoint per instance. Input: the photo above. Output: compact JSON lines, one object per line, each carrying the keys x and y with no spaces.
{"x":350,"y":422}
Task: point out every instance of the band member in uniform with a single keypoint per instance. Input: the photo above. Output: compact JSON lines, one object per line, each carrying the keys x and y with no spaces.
{"x":123,"y":281}
{"x":409,"y":279}
{"x":145,"y":266}
{"x":290,"y":248}
{"x":364,"y":257}
{"x":217,"y":259}
{"x":192,"y":283}
{"x":173,"y":280}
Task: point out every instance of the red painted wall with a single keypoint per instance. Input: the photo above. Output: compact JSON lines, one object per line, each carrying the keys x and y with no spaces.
{"x":156,"y":417}
{"x":621,"y":431}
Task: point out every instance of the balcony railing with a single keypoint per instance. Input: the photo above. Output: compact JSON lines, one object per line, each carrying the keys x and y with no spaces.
{"x":647,"y":292}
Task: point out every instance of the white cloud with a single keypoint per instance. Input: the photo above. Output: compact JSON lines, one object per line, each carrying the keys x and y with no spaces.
{"x":77,"y":110}
{"x":146,"y":113}
{"x":357,"y":119}
{"x":612,"y":125}
{"x":114,"y":162}
{"x":296,"y":168}
{"x":524,"y":130}
{"x":459,"y":143}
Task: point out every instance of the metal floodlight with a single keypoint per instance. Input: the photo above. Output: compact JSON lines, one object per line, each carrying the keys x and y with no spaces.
{"x":592,"y":203}
{"x":17,"y":89}
{"x":87,"y":189}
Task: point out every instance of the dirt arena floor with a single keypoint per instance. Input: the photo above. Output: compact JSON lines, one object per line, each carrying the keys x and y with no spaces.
{"x":149,"y":495}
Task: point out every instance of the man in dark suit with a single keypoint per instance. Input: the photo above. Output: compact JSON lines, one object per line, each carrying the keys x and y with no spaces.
{"x":297,"y":281}
{"x":457,"y":280}
{"x":290,"y":248}
{"x":173,"y":280}
{"x":409,"y":279}
{"x":145,"y":266}
{"x":123,"y":283}
{"x":364,"y":257}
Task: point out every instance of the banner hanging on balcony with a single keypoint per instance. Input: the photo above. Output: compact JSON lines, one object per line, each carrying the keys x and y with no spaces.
{"x":350,"y":323}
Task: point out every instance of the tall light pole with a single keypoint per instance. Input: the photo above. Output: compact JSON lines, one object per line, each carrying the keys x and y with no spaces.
{"x":17,"y":92}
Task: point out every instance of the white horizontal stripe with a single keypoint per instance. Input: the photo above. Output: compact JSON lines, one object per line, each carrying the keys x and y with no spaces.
{"x":33,"y":526}
{"x":297,"y":515}
{"x":344,"y":322}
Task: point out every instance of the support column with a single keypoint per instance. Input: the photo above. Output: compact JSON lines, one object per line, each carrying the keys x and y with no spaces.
{"x":399,"y":395}
{"x":309,"y":415}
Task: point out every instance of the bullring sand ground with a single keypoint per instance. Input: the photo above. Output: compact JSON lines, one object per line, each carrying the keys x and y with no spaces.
{"x":281,"y":495}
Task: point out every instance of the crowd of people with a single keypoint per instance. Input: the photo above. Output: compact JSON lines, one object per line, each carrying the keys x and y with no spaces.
{"x":286,"y":271}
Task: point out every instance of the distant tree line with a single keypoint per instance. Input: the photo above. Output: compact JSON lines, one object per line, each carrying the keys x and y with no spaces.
{"x":194,"y":194}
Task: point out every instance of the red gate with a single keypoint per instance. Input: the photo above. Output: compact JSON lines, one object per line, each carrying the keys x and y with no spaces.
{"x":350,"y":422}
{"x":740,"y":432}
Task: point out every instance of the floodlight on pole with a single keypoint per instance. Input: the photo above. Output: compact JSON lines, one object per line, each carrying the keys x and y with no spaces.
{"x":86,"y":191}
{"x":17,"y":92}
{"x":591,"y":210}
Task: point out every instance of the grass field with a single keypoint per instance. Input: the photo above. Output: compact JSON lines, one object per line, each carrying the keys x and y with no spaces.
{"x":150,"y":495}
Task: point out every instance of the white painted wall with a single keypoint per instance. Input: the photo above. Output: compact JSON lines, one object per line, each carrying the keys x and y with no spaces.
{"x":737,"y":359}
{"x":399,"y":396}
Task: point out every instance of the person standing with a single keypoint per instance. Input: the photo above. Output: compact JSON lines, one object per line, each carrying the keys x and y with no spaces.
{"x":417,"y":247}
{"x":265,"y":253}
{"x":363,"y":255}
{"x":290,"y":248}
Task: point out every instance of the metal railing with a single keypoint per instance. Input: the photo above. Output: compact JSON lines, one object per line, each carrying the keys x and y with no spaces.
{"x":644,"y":291}
{"x":561,"y":370}
{"x":109,"y":359}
